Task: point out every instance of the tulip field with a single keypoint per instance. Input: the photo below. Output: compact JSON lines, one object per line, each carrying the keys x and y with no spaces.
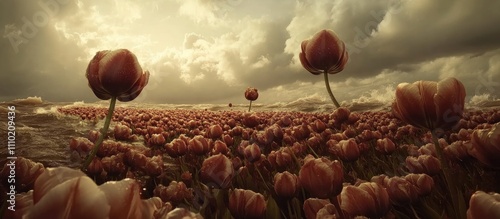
{"x":235,"y":164}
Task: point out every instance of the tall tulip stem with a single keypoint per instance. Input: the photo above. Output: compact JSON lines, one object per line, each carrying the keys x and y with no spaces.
{"x":250,"y":106}
{"x":104,"y":131}
{"x":327,"y":83}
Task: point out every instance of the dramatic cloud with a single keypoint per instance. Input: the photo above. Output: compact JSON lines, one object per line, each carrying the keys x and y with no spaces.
{"x":209,"y":51}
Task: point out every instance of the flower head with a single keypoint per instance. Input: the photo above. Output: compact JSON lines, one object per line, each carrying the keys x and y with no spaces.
{"x":429,"y":104}
{"x":323,"y":52}
{"x":117,"y":74}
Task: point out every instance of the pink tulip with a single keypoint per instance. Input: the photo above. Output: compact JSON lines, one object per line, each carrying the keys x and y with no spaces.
{"x":386,"y":146}
{"x":252,"y":152}
{"x":122,"y":132}
{"x":175,"y":192}
{"x":311,"y":207}
{"x":116,"y":74}
{"x":431,"y":105}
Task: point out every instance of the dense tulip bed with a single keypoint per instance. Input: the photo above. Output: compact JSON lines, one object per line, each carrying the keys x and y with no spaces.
{"x":218,"y":164}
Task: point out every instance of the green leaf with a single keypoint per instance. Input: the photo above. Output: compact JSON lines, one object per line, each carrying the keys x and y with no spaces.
{"x":272,"y":209}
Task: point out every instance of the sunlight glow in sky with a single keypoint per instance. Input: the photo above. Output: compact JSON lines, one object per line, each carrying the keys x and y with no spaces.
{"x":209,"y":51}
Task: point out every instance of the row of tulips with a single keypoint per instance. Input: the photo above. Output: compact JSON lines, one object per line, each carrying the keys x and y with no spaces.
{"x":281,"y":161}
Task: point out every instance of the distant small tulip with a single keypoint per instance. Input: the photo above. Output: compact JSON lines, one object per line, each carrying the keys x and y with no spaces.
{"x":429,"y":104}
{"x":484,"y":205}
{"x":246,"y":204}
{"x":199,"y":145}
{"x":330,"y":182}
{"x":122,"y":132}
{"x":176,"y":148}
{"x":252,"y":152}
{"x":116,"y":74}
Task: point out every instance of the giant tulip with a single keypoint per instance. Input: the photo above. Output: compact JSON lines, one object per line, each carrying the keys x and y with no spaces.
{"x":117,"y":74}
{"x":324,"y":53}
{"x":429,"y":104}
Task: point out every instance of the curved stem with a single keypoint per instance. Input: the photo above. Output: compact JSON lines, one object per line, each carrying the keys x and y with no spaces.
{"x":250,"y":107}
{"x":104,"y":131}
{"x":330,"y":90}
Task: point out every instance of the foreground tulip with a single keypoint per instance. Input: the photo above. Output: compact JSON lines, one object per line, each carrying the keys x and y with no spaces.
{"x":251,"y":94}
{"x":486,"y":146}
{"x":429,"y":104}
{"x":321,"y":177}
{"x":368,"y":199}
{"x":246,"y":204}
{"x":82,"y":198}
{"x":434,"y":106}
{"x":484,"y":205}
{"x":114,"y":75}
{"x":324,"y":53}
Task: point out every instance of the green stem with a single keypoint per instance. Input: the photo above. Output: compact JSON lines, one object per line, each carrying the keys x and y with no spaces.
{"x":457,"y":200}
{"x":330,"y":90}
{"x":250,"y":106}
{"x":104,"y":132}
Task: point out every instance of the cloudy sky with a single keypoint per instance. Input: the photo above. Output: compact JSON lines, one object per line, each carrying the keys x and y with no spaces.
{"x":209,"y":51}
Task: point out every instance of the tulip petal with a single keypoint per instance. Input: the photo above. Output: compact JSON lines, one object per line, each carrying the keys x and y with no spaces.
{"x":76,"y":198}
{"x":119,"y":70}
{"x":52,"y":177}
{"x":427,"y":90}
{"x":304,"y":61}
{"x":124,"y":198}
{"x":409,"y":104}
{"x":449,"y":101}
{"x":136,"y":89}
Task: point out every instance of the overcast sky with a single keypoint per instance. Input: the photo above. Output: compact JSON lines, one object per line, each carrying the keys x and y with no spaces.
{"x":209,"y":51}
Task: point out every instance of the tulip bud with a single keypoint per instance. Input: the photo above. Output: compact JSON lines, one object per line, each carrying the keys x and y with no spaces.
{"x":215,"y":131}
{"x":401,"y":191}
{"x":280,"y":159}
{"x":286,"y":184}
{"x":116,"y":74}
{"x":368,"y":199}
{"x":156,"y":140}
{"x":182,"y":213}
{"x":176,"y":148}
{"x":199,"y":145}
{"x":312,"y":206}
{"x":252,"y":152}
{"x":346,"y":150}
{"x":423,"y":164}
{"x":341,"y":115}
{"x":251,"y":94}
{"x":175,"y":192}
{"x":386,"y":146}
{"x":220,"y":147}
{"x":246,"y":204}
{"x":484,"y":205}
{"x":486,"y":146}
{"x":217,"y":169}
{"x":423,"y":182}
{"x":330,"y":182}
{"x":122,"y":132}
{"x":323,"y":52}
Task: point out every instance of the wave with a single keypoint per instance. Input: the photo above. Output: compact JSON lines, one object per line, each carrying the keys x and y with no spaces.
{"x":29,"y":101}
{"x":484,"y":100}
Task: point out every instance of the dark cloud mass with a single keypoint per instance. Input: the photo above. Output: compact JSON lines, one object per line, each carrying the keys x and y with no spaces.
{"x":209,"y":51}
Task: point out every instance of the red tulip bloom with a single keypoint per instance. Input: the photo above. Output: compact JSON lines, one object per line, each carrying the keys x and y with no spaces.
{"x":217,"y":169}
{"x":117,"y":74}
{"x":368,"y":199}
{"x":286,"y":184}
{"x":431,"y":105}
{"x":321,"y":177}
{"x":251,"y":93}
{"x":324,"y":53}
{"x":246,"y":204}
